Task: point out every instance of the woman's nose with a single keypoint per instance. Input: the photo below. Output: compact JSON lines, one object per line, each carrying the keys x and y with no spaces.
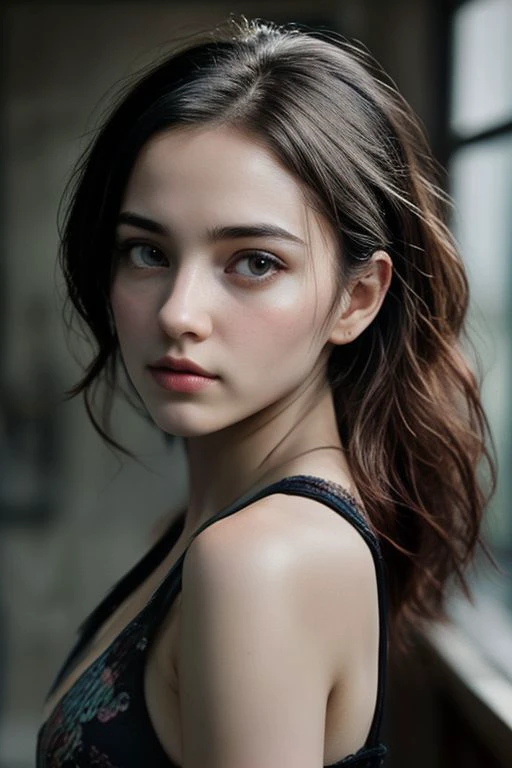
{"x":186,"y":308}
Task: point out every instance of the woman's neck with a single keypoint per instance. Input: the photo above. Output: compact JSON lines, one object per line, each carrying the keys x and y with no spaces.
{"x":297,"y":437}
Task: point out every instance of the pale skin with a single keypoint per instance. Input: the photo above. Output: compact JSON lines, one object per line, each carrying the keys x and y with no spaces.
{"x":269,"y":656}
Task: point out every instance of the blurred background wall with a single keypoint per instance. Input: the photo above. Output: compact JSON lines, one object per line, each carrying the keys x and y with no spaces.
{"x":73,"y":516}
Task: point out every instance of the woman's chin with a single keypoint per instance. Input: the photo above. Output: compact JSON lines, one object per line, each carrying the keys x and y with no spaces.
{"x":185,"y":427}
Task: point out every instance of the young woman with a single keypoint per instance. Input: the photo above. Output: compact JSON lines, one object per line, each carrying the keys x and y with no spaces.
{"x":257,"y":240}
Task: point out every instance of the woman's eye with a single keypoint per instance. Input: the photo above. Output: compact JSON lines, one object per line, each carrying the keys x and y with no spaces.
{"x":257,"y":265}
{"x":142,"y":255}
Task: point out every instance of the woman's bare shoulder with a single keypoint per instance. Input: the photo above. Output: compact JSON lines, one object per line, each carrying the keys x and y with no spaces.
{"x":324,"y":559}
{"x":301,"y":525}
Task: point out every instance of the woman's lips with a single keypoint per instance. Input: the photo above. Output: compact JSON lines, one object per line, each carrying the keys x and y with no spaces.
{"x":180,"y":381}
{"x":181,"y":365}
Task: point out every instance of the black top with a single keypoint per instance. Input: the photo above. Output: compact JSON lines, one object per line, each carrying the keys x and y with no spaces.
{"x":103,"y":720}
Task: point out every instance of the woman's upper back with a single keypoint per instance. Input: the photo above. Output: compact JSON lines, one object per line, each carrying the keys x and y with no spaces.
{"x":117,"y":709}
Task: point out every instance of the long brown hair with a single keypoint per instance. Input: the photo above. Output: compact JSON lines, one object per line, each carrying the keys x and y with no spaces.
{"x":408,"y":405}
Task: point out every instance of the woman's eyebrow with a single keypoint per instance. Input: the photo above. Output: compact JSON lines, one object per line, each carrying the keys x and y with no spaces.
{"x":230,"y":232}
{"x":141,"y":222}
{"x":253,"y":230}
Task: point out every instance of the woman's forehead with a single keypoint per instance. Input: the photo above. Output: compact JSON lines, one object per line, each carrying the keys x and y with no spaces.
{"x":221,"y":175}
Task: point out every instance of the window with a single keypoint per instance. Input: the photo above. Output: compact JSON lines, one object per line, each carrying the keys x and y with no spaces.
{"x":480,"y":169}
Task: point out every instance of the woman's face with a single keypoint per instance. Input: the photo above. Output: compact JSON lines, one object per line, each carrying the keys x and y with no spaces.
{"x":220,"y":264}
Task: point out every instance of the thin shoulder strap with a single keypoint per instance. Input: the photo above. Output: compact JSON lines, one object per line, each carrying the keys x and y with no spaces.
{"x":320,"y":490}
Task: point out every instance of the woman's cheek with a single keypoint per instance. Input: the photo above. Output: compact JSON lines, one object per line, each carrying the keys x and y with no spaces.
{"x":274,"y":330}
{"x":128,"y":308}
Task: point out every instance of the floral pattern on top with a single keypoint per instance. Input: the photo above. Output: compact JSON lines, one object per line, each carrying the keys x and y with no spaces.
{"x":98,"y":695}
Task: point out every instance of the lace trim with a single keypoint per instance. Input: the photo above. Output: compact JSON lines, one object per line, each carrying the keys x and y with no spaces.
{"x":339,"y":490}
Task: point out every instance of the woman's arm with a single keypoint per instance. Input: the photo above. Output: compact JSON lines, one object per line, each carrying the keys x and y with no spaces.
{"x":258,"y":656}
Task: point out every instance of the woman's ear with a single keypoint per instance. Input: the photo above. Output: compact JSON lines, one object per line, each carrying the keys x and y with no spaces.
{"x":362,"y":299}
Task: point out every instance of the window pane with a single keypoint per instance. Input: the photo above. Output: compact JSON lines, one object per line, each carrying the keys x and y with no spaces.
{"x":482,"y":65}
{"x":482,"y":188}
